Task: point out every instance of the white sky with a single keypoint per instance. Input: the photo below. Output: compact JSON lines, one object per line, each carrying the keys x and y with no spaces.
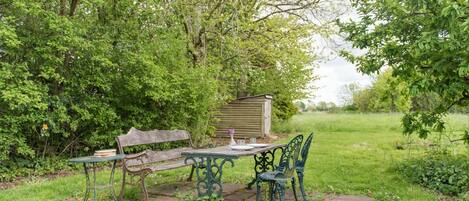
{"x":333,"y":74}
{"x":334,"y":71}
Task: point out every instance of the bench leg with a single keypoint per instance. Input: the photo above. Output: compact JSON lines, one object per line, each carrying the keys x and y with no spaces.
{"x":191,"y":174}
{"x":121,"y":194}
{"x":144,"y":188}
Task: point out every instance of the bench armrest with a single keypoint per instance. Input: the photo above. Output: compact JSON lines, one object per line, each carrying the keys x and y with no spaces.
{"x":135,"y":157}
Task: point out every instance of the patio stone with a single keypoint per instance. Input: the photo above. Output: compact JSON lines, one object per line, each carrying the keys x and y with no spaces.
{"x":230,"y":189}
{"x":241,"y":194}
{"x":348,"y":198}
{"x":172,"y":189}
{"x":231,"y":192}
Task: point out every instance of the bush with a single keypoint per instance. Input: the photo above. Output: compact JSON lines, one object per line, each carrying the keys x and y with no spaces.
{"x":445,"y":173}
{"x":72,"y":78}
{"x":283,"y":110}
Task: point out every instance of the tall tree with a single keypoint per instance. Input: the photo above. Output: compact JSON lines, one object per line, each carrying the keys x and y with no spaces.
{"x":425,"y":43}
{"x":346,"y":93}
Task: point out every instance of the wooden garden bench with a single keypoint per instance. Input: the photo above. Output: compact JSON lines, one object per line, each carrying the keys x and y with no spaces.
{"x":149,"y":161}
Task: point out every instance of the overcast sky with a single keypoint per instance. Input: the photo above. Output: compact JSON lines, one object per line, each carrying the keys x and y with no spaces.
{"x":334,"y":71}
{"x":333,"y":74}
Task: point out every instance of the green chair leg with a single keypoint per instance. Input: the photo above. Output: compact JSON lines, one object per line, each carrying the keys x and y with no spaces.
{"x":302,"y":187}
{"x":281,"y":190}
{"x":293,"y":185}
{"x":258,"y":190}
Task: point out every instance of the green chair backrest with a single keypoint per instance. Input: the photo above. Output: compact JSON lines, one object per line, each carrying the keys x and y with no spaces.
{"x":304,"y":152}
{"x":289,"y":156}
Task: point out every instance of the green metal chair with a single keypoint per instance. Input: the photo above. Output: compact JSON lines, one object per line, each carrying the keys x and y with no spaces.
{"x":300,"y":164}
{"x":284,"y":171}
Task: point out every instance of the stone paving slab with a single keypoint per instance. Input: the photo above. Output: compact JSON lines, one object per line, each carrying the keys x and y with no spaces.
{"x":172,"y":189}
{"x":231,"y":192}
{"x":241,"y":194}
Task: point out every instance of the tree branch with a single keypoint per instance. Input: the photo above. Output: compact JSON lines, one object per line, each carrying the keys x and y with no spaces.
{"x":214,"y":9}
{"x":293,"y":7}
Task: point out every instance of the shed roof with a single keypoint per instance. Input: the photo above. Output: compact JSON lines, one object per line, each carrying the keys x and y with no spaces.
{"x":266,"y":96}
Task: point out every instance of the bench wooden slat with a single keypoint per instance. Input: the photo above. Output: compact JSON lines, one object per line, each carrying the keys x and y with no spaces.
{"x":138,"y":137}
{"x":158,"y":156}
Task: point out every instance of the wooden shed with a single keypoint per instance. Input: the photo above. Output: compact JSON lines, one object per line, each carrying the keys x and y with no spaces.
{"x":249,"y":116}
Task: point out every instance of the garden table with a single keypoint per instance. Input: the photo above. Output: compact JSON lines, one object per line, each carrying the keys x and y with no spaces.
{"x":209,"y":165}
{"x":93,"y":160}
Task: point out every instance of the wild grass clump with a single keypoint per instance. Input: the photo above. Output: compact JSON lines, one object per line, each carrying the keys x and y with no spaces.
{"x":440,"y":171}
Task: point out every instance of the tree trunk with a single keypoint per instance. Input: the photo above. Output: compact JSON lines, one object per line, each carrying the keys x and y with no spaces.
{"x":73,"y":7}
{"x":63,"y":7}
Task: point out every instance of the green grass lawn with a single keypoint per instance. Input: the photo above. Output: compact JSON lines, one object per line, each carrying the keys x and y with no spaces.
{"x":351,"y":154}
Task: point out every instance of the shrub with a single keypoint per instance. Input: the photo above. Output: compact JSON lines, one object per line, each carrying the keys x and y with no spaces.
{"x":72,"y":78}
{"x":283,"y":110}
{"x":445,"y":173}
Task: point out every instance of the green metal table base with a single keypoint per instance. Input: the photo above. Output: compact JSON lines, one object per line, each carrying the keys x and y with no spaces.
{"x":209,"y":172}
{"x":263,"y":162}
{"x":94,"y":187}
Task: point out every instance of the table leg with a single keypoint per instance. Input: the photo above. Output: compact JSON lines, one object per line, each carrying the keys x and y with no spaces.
{"x":263,"y":162}
{"x":87,"y":192}
{"x":94,"y":181}
{"x":111,"y":181}
{"x":209,"y":171}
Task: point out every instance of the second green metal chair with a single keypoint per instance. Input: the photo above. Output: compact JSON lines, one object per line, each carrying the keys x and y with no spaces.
{"x":283,"y":173}
{"x":300,"y":164}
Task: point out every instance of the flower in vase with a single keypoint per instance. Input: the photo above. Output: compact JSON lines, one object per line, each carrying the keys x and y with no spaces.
{"x":231,"y":131}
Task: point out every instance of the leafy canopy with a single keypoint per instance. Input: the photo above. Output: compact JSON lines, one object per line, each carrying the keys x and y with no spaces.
{"x":425,"y":42}
{"x":75,"y":74}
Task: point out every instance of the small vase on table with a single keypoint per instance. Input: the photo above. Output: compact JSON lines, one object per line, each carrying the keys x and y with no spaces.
{"x":231,"y":132}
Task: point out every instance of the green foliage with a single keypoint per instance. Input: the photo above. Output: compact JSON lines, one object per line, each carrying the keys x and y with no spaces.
{"x":445,"y":173}
{"x":283,"y":110}
{"x":362,"y":100}
{"x":300,"y":105}
{"x":346,"y":93}
{"x":75,"y":74}
{"x":387,"y":94}
{"x":323,"y":106}
{"x":424,"y":42}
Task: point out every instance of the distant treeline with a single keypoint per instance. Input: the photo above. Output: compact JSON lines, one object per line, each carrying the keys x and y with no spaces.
{"x":386,"y":94}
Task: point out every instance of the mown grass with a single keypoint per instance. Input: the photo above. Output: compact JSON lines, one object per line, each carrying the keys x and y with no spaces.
{"x":351,"y":154}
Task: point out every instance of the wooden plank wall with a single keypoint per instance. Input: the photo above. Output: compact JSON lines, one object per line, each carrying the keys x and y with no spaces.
{"x":246,"y":116}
